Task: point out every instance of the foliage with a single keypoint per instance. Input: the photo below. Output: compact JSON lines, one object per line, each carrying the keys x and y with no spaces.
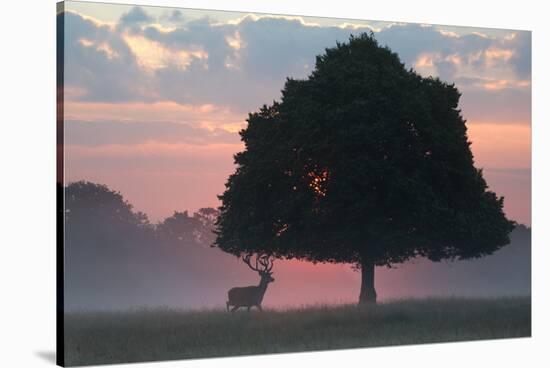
{"x":95,"y":214}
{"x":363,"y":160}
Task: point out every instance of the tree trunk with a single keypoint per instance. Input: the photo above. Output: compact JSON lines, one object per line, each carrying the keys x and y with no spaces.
{"x":368,"y":292}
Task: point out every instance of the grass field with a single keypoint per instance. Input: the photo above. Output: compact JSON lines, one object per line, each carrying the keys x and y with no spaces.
{"x":163,"y":334}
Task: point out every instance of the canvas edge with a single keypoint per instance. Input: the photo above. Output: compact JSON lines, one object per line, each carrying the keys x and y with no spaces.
{"x":60,"y":233}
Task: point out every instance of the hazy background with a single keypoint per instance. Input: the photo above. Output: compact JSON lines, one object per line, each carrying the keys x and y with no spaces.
{"x":154,"y":98}
{"x":115,"y":258}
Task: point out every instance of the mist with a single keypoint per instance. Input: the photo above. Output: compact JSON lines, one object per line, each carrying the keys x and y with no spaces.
{"x":116,"y":259}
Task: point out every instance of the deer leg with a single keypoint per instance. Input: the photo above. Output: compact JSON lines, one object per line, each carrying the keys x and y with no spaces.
{"x":227,"y":305}
{"x":248,"y":309}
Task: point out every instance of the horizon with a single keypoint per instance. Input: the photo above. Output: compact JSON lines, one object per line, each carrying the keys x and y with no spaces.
{"x":171,"y":273}
{"x":187,"y":210}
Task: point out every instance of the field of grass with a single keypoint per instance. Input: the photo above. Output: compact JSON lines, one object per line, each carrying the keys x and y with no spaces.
{"x":163,"y":334}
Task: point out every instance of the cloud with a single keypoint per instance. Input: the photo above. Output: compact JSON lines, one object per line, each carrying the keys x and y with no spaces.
{"x":176,"y":16}
{"x":206,"y":116}
{"x":505,"y":106}
{"x":100,"y":63}
{"x":521,"y":59}
{"x":104,"y":133}
{"x":152,"y":55}
{"x":135,"y":16}
{"x":196,"y":34}
{"x":145,"y":161}
{"x":453,"y":56}
{"x":243,"y":63}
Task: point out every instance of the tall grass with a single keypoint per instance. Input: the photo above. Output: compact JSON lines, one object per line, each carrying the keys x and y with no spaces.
{"x":162,"y":334}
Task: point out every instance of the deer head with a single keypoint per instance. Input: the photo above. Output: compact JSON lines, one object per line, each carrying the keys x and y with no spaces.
{"x":263,"y":265}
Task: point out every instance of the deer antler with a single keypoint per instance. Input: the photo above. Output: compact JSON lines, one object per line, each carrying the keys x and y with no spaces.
{"x":246,"y":259}
{"x":265,"y":261}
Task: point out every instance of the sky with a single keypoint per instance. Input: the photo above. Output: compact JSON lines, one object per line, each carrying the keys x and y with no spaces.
{"x":154,"y":97}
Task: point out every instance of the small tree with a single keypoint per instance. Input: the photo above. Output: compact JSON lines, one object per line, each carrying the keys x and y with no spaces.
{"x":364,"y":162}
{"x":181,"y":228}
{"x":96,"y":214}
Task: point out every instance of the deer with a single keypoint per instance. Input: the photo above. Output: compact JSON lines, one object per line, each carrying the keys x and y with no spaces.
{"x":252,"y":296}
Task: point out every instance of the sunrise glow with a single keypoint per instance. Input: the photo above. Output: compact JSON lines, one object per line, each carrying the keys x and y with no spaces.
{"x":172,"y":92}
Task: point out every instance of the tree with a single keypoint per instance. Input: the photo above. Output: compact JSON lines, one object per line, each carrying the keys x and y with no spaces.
{"x":207,"y":217}
{"x":364,"y":162}
{"x":96,"y":214}
{"x":107,"y":246}
{"x":182,"y":229}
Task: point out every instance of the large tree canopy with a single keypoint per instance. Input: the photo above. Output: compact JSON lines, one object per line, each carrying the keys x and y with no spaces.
{"x":363,"y":162}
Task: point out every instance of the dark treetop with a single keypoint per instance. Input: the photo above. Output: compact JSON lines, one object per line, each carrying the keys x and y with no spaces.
{"x":363,"y":161}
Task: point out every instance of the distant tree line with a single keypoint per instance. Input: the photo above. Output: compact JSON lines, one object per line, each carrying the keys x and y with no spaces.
{"x":90,"y":206}
{"x":115,"y":254}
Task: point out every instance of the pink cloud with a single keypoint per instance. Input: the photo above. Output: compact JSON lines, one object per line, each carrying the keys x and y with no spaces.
{"x":204,"y":115}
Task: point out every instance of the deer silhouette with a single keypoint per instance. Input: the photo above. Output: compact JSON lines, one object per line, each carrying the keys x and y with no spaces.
{"x":252,"y":296}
